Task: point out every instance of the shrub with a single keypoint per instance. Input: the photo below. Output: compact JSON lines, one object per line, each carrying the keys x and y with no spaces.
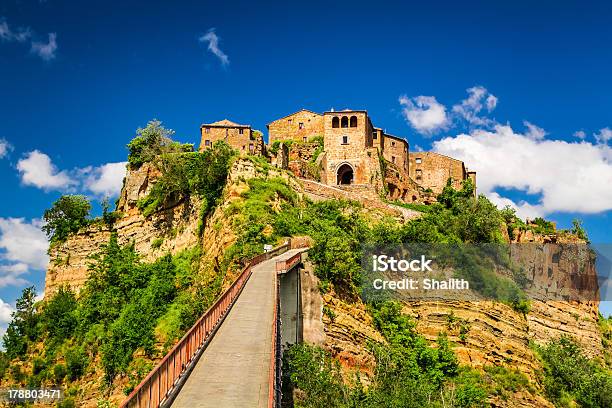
{"x":67,"y":215}
{"x":59,"y":373}
{"x":317,"y":375}
{"x":76,"y":362}
{"x":59,"y":317}
{"x":570,"y":375}
{"x":202,"y":174}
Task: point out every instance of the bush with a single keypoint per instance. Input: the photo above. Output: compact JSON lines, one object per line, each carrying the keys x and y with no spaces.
{"x":67,"y":215}
{"x":59,"y":317}
{"x":76,"y":362}
{"x":201,"y":174}
{"x":317,"y":375}
{"x":59,"y":373}
{"x":570,"y":376}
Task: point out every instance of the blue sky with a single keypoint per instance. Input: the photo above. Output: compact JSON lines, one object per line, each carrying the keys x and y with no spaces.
{"x":505,"y":87}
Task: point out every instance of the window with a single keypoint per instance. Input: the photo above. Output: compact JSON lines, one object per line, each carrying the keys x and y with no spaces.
{"x":344,"y":122}
{"x":374,"y":135}
{"x":251,"y":147}
{"x":289,"y":120}
{"x":392,"y":159}
{"x":301,"y":125}
{"x":206,"y":130}
{"x":418,"y":160}
{"x":344,"y":140}
{"x":419,"y":174}
{"x":304,"y":139}
{"x":353,"y":121}
{"x":243,"y":146}
{"x":207,"y":143}
{"x":392,"y":144}
{"x":335,"y":122}
{"x":241,"y":131}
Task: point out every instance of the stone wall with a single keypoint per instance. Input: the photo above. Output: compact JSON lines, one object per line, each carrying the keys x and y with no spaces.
{"x":432,"y":170}
{"x":300,"y":127}
{"x":396,"y":151}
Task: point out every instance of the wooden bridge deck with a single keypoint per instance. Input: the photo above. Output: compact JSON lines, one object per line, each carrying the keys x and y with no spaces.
{"x":234,"y":370}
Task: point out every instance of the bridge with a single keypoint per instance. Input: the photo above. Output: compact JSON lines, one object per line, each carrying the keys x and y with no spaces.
{"x":231,"y":356}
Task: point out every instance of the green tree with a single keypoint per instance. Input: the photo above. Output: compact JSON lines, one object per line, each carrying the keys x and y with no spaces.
{"x":23,"y":326}
{"x":578,"y":230}
{"x":67,"y":215}
{"x":59,"y":315}
{"x":152,"y":141}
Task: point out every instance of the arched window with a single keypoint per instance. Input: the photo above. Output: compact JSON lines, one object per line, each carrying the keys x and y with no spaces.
{"x":344,"y":122}
{"x":335,"y":122}
{"x":353,"y":121}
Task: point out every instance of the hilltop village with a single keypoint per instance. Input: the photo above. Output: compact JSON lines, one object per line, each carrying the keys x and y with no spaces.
{"x":345,"y":150}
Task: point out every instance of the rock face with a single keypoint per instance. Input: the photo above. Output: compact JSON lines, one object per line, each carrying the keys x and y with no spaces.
{"x":172,"y":229}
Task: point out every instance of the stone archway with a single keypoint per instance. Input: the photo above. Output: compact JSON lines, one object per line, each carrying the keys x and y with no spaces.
{"x":345,"y":174}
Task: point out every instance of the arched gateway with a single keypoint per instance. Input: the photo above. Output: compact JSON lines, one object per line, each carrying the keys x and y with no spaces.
{"x":345,"y":174}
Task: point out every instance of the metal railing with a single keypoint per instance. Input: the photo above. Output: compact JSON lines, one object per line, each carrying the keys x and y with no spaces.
{"x":161,"y":385}
{"x":288,"y":264}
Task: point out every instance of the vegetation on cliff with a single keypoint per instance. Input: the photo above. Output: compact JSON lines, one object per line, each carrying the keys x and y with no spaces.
{"x":130,"y":312}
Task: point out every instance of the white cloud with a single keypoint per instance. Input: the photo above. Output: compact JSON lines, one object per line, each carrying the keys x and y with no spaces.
{"x":213,"y":46}
{"x":9,"y":35}
{"x":604,"y":135}
{"x":534,"y":132}
{"x":36,"y":169}
{"x":46,"y":51}
{"x":491,"y":102}
{"x":568,"y":177}
{"x":23,"y":243}
{"x":106,"y":180}
{"x":24,"y":248}
{"x":523,"y":209}
{"x":5,"y":312}
{"x":5,"y":147}
{"x":424,"y":113}
{"x":470,"y":108}
{"x":580,"y":134}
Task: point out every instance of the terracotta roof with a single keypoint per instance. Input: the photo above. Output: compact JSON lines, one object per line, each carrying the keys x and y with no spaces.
{"x":225,"y":123}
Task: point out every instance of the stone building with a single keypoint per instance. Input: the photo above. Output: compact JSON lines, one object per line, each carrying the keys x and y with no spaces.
{"x":240,"y":137}
{"x":350,"y":156}
{"x":356,"y":155}
{"x":300,"y":126}
{"x":432,"y":171}
{"x":395,"y":150}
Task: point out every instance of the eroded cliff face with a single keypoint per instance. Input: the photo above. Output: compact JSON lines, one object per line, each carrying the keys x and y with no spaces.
{"x":488,"y":333}
{"x":170,"y":230}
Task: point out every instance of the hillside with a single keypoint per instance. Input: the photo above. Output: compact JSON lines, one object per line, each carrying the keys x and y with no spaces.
{"x":121,"y":289}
